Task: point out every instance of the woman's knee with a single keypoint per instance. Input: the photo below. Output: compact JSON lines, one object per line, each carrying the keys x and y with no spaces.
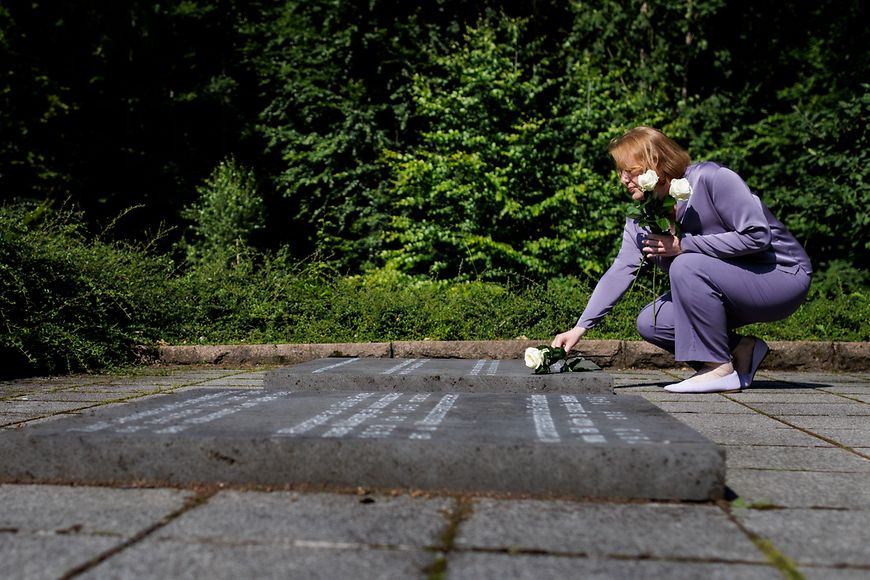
{"x":645,"y":326}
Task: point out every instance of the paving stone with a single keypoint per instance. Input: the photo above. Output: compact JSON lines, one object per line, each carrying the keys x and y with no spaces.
{"x":865,"y":398}
{"x":159,"y":560}
{"x":581,"y":445}
{"x":715,"y":407}
{"x":537,"y":567}
{"x":826,"y":537}
{"x":16,"y":391}
{"x":808,"y":376}
{"x":665,"y":396}
{"x":29,"y":557}
{"x":848,"y":437}
{"x":821,"y":573}
{"x":433,"y":376}
{"x":852,"y":391}
{"x":92,"y":396}
{"x":847,"y":422}
{"x":803,"y":489}
{"x":750,"y":430}
{"x":86,"y":510}
{"x":760,"y":387}
{"x":41,"y":407}
{"x":46,"y":531}
{"x":122,"y":390}
{"x":827,"y":409}
{"x":13,"y":418}
{"x":814,"y":398}
{"x":607,"y":530}
{"x":795,"y":458}
{"x":288,"y":517}
{"x":807,"y":380}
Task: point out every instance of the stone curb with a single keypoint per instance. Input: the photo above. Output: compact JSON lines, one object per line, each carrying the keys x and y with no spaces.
{"x":619,"y":354}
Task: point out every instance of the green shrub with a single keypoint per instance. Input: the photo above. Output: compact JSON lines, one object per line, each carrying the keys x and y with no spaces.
{"x":69,"y":303}
{"x":225,"y":217}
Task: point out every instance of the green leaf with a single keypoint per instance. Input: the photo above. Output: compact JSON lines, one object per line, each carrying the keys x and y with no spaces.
{"x":663,"y":223}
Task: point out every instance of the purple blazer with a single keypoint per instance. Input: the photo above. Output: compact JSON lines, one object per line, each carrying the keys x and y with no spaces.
{"x":722,"y":218}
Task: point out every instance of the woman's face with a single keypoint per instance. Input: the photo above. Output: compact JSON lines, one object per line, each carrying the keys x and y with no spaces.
{"x":628,"y":177}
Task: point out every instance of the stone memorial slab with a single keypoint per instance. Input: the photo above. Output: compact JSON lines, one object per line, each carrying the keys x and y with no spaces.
{"x":540,"y":444}
{"x":436,"y":375}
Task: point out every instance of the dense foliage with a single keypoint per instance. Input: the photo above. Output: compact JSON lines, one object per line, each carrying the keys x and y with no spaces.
{"x":444,"y":138}
{"x":400,"y":152}
{"x":72,"y":302}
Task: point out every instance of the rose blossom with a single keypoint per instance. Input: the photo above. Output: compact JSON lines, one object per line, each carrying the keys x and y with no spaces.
{"x":680,"y":189}
{"x":648,"y":180}
{"x":534,"y":357}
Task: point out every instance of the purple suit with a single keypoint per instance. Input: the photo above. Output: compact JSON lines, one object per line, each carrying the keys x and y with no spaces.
{"x":738,"y":265}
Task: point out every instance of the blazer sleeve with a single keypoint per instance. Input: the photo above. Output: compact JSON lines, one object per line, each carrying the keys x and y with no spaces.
{"x":616,"y":281}
{"x":741,"y":218}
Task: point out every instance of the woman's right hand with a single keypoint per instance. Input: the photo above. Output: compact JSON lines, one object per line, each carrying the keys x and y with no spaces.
{"x":567,"y":340}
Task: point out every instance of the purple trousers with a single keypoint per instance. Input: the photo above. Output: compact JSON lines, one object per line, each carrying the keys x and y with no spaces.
{"x":711,"y":297}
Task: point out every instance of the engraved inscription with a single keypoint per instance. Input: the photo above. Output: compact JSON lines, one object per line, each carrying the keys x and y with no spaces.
{"x":545,"y":428}
{"x":382,"y":418}
{"x":333,"y":366}
{"x":181,"y":415}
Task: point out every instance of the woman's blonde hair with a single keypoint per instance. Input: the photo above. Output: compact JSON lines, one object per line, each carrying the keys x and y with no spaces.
{"x":645,"y":148}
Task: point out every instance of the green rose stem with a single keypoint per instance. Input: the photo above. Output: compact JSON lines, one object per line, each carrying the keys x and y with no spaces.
{"x":654,"y":214}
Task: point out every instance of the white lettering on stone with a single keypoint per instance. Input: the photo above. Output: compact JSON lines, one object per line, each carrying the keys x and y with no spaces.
{"x":399,"y":366}
{"x":493,"y":366}
{"x":431,"y":421}
{"x":332,"y":366}
{"x":345,"y":426}
{"x":159,"y":411}
{"x":321,"y":418}
{"x":579,"y":421}
{"x":414,"y":366}
{"x":201,"y":420}
{"x":477,"y":368}
{"x":545,"y":428}
{"x":377,"y":431}
{"x":158,"y":421}
{"x":429,"y":424}
{"x":633,"y":436}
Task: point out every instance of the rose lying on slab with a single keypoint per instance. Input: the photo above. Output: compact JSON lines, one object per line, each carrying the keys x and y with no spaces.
{"x":547,"y":359}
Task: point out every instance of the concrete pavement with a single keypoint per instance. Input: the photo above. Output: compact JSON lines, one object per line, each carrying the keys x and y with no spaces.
{"x":798,"y":458}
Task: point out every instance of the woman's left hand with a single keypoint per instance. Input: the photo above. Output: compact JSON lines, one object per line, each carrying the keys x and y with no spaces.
{"x":661,"y":245}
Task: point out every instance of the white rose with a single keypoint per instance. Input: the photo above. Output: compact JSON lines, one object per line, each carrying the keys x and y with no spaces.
{"x":680,"y":189}
{"x":534,"y":357}
{"x":648,"y":180}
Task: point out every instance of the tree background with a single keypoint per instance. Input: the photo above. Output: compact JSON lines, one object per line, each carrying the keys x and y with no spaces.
{"x":444,"y":139}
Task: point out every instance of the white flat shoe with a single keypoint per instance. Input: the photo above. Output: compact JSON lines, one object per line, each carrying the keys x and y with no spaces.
{"x":730,"y":382}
